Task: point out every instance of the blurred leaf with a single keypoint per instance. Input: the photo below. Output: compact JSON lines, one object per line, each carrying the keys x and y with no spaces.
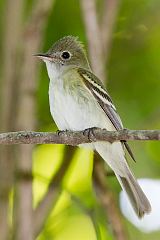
{"x":46,"y":160}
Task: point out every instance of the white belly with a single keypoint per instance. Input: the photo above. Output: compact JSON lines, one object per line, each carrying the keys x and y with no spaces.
{"x":72,"y":113}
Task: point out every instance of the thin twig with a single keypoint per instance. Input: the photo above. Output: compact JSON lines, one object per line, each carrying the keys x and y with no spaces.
{"x":95,"y":46}
{"x":110,"y":10}
{"x":75,"y":138}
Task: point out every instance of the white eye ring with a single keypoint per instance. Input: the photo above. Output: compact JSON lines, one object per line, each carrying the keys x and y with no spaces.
{"x":66,"y":55}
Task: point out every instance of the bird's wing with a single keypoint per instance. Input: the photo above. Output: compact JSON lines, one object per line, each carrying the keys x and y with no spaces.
{"x":96,"y":88}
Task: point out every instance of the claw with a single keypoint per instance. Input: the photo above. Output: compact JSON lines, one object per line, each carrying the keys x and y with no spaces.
{"x":89,"y":132}
{"x":61,"y":132}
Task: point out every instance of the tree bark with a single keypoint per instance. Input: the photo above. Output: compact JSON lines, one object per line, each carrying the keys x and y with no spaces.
{"x":75,"y":138}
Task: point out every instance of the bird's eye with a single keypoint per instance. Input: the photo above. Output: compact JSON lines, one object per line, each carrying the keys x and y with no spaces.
{"x":66,"y":55}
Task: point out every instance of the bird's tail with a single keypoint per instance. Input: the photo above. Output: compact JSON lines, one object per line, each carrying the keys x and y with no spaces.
{"x":113,"y":154}
{"x":138,"y":199}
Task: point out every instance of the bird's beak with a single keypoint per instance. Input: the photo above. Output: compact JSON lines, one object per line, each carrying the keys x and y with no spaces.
{"x":43,"y":56}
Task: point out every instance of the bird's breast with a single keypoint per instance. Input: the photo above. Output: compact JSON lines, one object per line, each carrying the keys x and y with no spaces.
{"x":74,"y":108}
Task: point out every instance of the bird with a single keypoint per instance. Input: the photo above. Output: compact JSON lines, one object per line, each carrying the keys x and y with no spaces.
{"x":78,"y":101}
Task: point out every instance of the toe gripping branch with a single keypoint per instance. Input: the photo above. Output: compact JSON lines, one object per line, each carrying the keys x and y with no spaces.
{"x":89,"y":132}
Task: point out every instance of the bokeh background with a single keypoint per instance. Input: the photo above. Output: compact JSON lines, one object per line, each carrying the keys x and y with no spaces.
{"x":49,"y":191}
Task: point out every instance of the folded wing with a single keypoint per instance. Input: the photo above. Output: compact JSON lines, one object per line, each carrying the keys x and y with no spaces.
{"x":104,"y":100}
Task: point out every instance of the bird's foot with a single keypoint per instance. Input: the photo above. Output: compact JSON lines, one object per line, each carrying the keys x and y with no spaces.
{"x":89,"y":132}
{"x":61,"y":132}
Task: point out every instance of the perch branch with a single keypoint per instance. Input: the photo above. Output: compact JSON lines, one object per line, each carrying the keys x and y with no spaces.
{"x":75,"y":138}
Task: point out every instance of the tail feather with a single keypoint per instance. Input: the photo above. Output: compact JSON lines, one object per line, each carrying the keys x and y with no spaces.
{"x":138,"y":199}
{"x":113,"y":154}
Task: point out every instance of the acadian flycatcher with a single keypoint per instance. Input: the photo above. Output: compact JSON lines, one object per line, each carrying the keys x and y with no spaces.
{"x":78,"y":101}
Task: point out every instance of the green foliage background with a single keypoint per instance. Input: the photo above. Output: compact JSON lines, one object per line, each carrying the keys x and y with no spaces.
{"x":134,"y":84}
